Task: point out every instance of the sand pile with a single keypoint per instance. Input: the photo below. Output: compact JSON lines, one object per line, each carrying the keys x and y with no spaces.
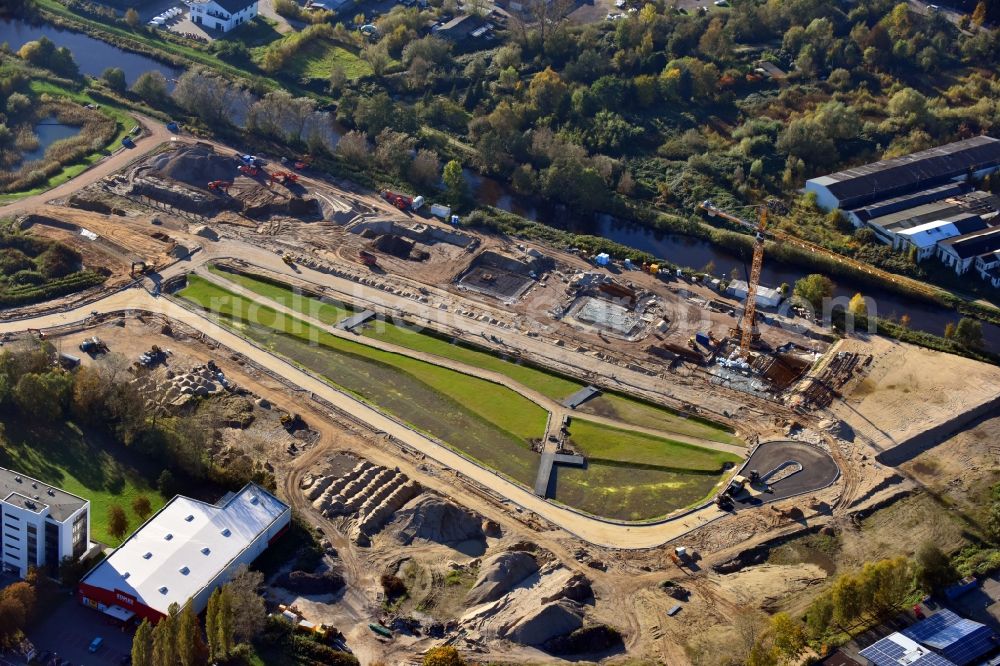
{"x":195,"y":165}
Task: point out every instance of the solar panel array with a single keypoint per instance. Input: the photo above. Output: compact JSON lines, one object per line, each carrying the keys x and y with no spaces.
{"x":887,"y":652}
{"x":960,"y":640}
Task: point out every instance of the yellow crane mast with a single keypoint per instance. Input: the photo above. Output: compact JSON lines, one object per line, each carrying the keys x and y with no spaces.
{"x":747,"y":323}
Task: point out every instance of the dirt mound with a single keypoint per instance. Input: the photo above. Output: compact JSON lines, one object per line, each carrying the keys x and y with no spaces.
{"x":587,"y":640}
{"x":303,"y":582}
{"x":94,"y":206}
{"x":195,"y":165}
{"x":546,"y":623}
{"x":499,"y":574}
{"x":435,"y":519}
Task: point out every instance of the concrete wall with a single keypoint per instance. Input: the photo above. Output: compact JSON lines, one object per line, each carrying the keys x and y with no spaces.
{"x":914,"y":446}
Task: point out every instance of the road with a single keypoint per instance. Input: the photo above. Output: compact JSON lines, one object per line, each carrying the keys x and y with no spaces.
{"x":552,"y":406}
{"x":155,"y":134}
{"x":612,"y":535}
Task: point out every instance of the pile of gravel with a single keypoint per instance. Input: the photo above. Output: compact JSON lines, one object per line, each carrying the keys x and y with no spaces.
{"x":195,"y":165}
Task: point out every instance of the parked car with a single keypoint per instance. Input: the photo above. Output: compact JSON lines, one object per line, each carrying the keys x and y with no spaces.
{"x":95,"y":645}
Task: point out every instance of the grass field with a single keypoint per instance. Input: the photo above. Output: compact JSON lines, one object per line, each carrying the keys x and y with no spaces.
{"x":549,"y":384}
{"x":494,"y":428}
{"x":317,"y":59}
{"x":70,"y":459}
{"x":633,"y":476}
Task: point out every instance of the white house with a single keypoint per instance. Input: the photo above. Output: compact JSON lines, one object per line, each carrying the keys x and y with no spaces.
{"x":925,"y":237}
{"x":222,"y":15}
{"x":40,"y":525}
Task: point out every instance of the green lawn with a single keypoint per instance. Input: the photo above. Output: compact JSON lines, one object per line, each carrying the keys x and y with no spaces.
{"x":317,"y":59}
{"x":488,"y":421}
{"x":125,"y":123}
{"x":81,"y":464}
{"x":633,"y":476}
{"x":601,"y":442}
{"x":258,"y":32}
{"x":551,"y":385}
{"x":325,"y":310}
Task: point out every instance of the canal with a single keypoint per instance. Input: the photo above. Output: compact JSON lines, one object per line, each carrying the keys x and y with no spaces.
{"x":92,"y":55}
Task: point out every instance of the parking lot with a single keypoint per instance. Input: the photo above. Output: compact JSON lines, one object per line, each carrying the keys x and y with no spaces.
{"x":69,"y":629}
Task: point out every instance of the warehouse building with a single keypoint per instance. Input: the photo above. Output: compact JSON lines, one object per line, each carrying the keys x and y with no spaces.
{"x":863,"y":185}
{"x":766,"y":296}
{"x":183,"y":553}
{"x":889,"y":227}
{"x":925,"y":237}
{"x":40,"y":525}
{"x":960,"y":253}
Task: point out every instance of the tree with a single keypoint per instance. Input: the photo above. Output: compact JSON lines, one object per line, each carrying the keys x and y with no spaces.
{"x":151,"y":87}
{"x":547,"y":91}
{"x":165,"y":647}
{"x":934,"y":569}
{"x":377,"y":58}
{"x":115,"y":78}
{"x":43,"y":397}
{"x":132,"y":18}
{"x":789,"y":636}
{"x":858,"y":306}
{"x":847,"y":595}
{"x":426,"y":168}
{"x":949,"y":330}
{"x":338,"y":79}
{"x":190,"y":644}
{"x":142,"y":645}
{"x":979,"y":13}
{"x":814,"y":288}
{"x":969,"y":333}
{"x":167,"y":483}
{"x":219,"y":623}
{"x":454,"y":181}
{"x":353,"y":148}
{"x":142,"y":507}
{"x":248,"y":611}
{"x":117,"y":521}
{"x":444,"y":655}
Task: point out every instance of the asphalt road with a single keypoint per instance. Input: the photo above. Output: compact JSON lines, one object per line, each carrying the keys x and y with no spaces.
{"x":818,"y":469}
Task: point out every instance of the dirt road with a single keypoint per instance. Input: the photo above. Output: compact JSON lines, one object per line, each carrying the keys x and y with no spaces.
{"x":155,"y":134}
{"x":599,"y":532}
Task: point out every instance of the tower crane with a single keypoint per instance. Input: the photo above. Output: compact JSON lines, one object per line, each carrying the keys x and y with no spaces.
{"x":747,"y":325}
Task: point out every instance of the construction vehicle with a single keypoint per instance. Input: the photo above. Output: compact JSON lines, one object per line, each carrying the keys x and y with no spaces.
{"x":367,"y":258}
{"x":747,"y":326}
{"x":380,"y":630}
{"x":403,"y":201}
{"x":284,"y":178}
{"x":93,"y":345}
{"x":249,"y":170}
{"x":220,"y":185}
{"x":153,"y":357}
{"x":287,"y":258}
{"x":138,"y":268}
{"x":128,"y":142}
{"x":173,"y":127}
{"x":251,"y":160}
{"x":303,"y":162}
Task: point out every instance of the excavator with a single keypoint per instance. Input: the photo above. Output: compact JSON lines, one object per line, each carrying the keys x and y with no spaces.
{"x":284,"y":177}
{"x":747,"y":326}
{"x":249,"y":170}
{"x":220,"y":185}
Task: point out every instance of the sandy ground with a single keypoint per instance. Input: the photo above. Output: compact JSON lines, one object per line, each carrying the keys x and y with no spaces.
{"x":909,"y":389}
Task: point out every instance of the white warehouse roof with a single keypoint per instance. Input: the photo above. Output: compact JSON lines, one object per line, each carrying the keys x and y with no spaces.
{"x":185,"y":546}
{"x":766,"y":296}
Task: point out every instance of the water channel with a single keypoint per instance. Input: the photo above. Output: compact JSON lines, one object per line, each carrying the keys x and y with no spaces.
{"x":92,"y":55}
{"x":48,"y":132}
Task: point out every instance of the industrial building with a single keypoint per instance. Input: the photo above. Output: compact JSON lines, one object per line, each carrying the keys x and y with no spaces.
{"x":767,"y":297}
{"x":863,"y":185}
{"x":925,"y":203}
{"x":942,"y":639}
{"x":41,"y":525}
{"x":183,"y":553}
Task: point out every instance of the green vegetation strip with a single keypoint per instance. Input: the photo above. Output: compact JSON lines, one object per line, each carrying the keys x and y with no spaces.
{"x":633,"y":476}
{"x":79,"y":464}
{"x":487,"y":421}
{"x":551,"y":385}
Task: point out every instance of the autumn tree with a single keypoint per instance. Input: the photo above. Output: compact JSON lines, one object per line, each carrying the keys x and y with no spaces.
{"x":117,"y":521}
{"x":454,"y":181}
{"x":425,"y":169}
{"x":142,"y":506}
{"x":814,"y":288}
{"x":444,"y":655}
{"x":248,"y":611}
{"x":979,"y":13}
{"x":132,"y":18}
{"x":151,"y":87}
{"x":969,"y":333}
{"x":858,"y":306}
{"x":934,"y":569}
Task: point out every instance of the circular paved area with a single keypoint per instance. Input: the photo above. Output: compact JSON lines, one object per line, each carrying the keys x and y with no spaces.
{"x":818,"y":470}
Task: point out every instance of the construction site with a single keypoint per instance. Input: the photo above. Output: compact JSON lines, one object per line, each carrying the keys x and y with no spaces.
{"x":523,"y":435}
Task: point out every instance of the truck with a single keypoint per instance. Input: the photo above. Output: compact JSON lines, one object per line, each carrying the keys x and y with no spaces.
{"x":93,"y":345}
{"x":128,"y":142}
{"x":403,"y":201}
{"x":440,"y":210}
{"x":961,"y":587}
{"x":173,"y":127}
{"x":380,"y":630}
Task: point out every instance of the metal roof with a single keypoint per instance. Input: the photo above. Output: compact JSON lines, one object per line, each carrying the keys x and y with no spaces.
{"x":185,"y":546}
{"x":880,"y":180}
{"x":960,"y":640}
{"x":25,"y":491}
{"x":930,"y":233}
{"x":982,"y":203}
{"x":974,"y":244}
